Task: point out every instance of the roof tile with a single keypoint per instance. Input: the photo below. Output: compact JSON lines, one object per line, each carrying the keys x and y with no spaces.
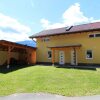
{"x":73,"y":29}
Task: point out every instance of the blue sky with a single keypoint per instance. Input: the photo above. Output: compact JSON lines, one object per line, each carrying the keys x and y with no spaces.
{"x":21,"y":18}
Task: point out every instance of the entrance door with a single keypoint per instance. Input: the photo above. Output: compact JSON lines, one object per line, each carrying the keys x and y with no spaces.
{"x":61,"y":58}
{"x":73,"y":57}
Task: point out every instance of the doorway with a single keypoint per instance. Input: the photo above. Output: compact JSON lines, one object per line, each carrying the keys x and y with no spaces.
{"x":73,"y":57}
{"x":61,"y":58}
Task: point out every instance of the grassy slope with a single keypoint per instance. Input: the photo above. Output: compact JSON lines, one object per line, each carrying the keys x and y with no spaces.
{"x":69,"y":82}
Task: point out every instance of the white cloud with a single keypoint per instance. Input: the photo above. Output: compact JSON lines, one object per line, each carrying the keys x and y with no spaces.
{"x":72,"y":16}
{"x":45,"y":23}
{"x":19,"y":33}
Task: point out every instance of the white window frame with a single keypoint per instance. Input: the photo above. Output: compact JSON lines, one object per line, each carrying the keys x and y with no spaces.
{"x":48,"y":54}
{"x":86,"y":54}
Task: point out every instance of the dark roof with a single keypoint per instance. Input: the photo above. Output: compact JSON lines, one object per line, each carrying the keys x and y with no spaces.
{"x":4,"y":42}
{"x":67,"y":45}
{"x":73,"y":29}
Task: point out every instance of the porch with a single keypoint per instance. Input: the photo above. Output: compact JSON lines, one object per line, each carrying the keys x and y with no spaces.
{"x":73,"y":48}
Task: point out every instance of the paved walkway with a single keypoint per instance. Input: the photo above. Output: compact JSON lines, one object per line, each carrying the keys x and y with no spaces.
{"x":42,"y":96}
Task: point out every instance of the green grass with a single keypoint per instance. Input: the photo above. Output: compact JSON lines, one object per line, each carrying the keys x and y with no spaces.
{"x":68,"y":82}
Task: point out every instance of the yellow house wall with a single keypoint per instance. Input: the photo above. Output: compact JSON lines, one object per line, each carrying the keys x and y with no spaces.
{"x":3,"y":56}
{"x":77,"y":38}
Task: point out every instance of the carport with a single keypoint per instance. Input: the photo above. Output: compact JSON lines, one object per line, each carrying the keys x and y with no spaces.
{"x":23,"y":54}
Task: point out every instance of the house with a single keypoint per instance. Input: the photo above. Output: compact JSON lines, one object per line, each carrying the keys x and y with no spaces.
{"x":13,"y":53}
{"x":74,"y":45}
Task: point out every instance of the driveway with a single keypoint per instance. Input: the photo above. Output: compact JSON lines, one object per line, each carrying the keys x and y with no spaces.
{"x":42,"y":96}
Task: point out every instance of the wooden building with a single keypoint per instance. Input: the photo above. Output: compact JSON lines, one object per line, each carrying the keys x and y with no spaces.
{"x":14,"y":54}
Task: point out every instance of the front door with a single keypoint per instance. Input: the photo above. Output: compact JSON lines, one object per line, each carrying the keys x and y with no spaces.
{"x":61,"y":58}
{"x":73,"y":57}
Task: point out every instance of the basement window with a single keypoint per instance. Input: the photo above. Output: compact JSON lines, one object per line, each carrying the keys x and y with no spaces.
{"x":49,"y":54}
{"x":89,"y":54}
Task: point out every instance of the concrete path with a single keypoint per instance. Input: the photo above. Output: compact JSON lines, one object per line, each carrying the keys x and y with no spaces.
{"x":42,"y":96}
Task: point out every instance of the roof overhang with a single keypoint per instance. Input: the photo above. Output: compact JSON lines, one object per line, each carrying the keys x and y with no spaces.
{"x":63,"y":33}
{"x":66,"y":46}
{"x":15,"y":45}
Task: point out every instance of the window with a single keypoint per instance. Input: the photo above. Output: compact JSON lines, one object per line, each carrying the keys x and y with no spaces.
{"x":97,"y":35}
{"x":45,"y":39}
{"x":91,"y":35}
{"x":94,"y":35}
{"x":49,"y":54}
{"x":68,"y":28}
{"x":89,"y":54}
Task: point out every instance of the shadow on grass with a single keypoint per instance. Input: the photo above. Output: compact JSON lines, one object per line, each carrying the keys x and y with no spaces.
{"x":4,"y":69}
{"x":77,"y":67}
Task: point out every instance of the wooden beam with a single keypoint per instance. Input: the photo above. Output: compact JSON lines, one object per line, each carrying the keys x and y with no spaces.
{"x":9,"y":56}
{"x":28,"y":55}
{"x":53,"y":56}
{"x":15,"y":45}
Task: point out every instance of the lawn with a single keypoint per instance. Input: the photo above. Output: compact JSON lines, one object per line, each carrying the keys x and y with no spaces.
{"x":48,"y":79}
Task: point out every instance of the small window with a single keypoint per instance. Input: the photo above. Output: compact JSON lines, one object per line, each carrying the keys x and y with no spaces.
{"x":91,"y":35}
{"x":97,"y":35}
{"x":89,"y":54}
{"x":45,"y":39}
{"x":49,"y":54}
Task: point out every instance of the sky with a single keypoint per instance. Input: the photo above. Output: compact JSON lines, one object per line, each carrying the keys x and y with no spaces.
{"x":20,"y":19}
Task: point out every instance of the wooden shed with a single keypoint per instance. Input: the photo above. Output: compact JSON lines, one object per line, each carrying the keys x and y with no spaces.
{"x":14,"y":54}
